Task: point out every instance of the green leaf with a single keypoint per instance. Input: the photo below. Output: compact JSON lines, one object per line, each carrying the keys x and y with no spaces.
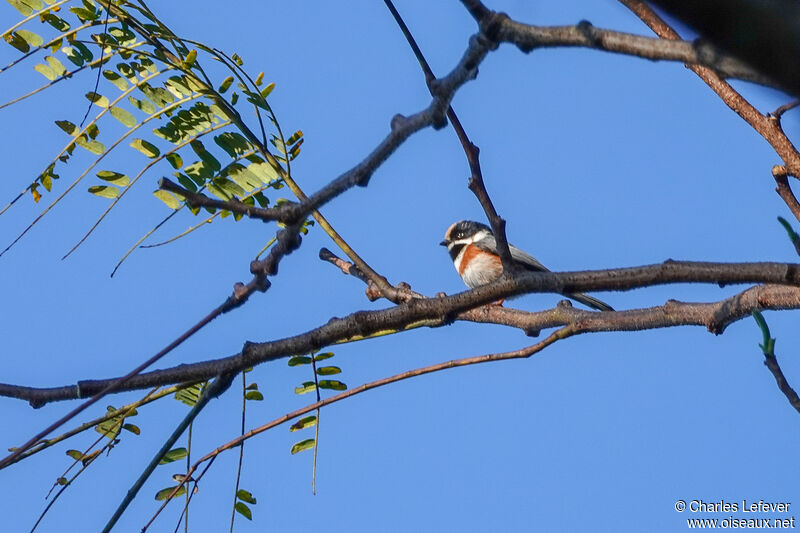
{"x":75,"y":454}
{"x":87,"y":459}
{"x":200,"y":149}
{"x":793,"y":236}
{"x":110,"y":428}
{"x":768,"y":347}
{"x":191,"y":57}
{"x":295,"y":137}
{"x":266,"y":90}
{"x":34,"y":40}
{"x":307,"y":386}
{"x":262,"y":200}
{"x":96,"y":147}
{"x":56,"y":65}
{"x":260,"y":78}
{"x":189,"y":395}
{"x":243,"y":510}
{"x":132,"y":428}
{"x":163,"y":494}
{"x":84,"y":15}
{"x":233,"y":143}
{"x":323,"y":356}
{"x":186,"y":181}
{"x":45,"y":71}
{"x":245,"y":496}
{"x":118,"y":81}
{"x":254,"y":395}
{"x":23,"y":6}
{"x":174,"y":454}
{"x":67,"y":126}
{"x":148,"y":149}
{"x":225,"y":85}
{"x":252,"y":386}
{"x":73,"y":55}
{"x":299,"y":360}
{"x":142,"y":105}
{"x":62,"y":481}
{"x":56,"y":22}
{"x":116,"y":178}
{"x":305,"y":422}
{"x":17,"y":42}
{"x":54,"y":69}
{"x":168,"y":198}
{"x":303,"y":445}
{"x":175,"y":160}
{"x":97,"y":99}
{"x":178,"y":86}
{"x":123,"y":116}
{"x":83,"y":49}
{"x":332,"y":384}
{"x":124,"y":36}
{"x":329,"y":370}
{"x":106,"y":191}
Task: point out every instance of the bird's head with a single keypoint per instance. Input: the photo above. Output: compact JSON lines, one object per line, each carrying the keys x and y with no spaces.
{"x":464,"y":232}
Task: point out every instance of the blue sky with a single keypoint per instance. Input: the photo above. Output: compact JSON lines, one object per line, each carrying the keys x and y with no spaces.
{"x":595,"y":160}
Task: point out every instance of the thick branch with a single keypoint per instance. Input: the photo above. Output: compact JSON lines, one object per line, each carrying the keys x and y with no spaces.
{"x":768,"y":127}
{"x":528,"y":37}
{"x":432,"y":312}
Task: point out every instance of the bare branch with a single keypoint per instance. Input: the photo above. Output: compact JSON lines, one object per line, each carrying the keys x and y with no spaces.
{"x":771,"y":362}
{"x":785,"y":191}
{"x":529,"y":37}
{"x":434,"y":312}
{"x":283,"y":213}
{"x":767,"y":127}
{"x":516,"y":354}
{"x":476,"y":183}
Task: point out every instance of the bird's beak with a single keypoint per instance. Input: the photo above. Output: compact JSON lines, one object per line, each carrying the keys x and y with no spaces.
{"x":443,"y":243}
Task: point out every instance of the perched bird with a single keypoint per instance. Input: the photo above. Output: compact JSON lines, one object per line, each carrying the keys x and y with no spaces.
{"x":473,"y":250}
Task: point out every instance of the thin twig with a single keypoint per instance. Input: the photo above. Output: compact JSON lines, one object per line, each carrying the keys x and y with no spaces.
{"x":217,"y":387}
{"x":241,"y":451}
{"x":784,"y":190}
{"x":102,"y":53}
{"x":771,"y":362}
{"x":562,"y":333}
{"x":476,"y":183}
{"x":778,"y":113}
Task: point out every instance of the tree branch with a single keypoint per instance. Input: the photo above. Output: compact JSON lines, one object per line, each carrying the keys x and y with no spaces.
{"x":528,"y":37}
{"x":476,"y":183}
{"x":283,"y":213}
{"x":784,"y":190}
{"x":516,"y":354}
{"x":768,"y":127}
{"x":438,"y":311}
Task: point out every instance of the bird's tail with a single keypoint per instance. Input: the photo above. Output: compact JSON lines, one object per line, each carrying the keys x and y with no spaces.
{"x":587,"y":300}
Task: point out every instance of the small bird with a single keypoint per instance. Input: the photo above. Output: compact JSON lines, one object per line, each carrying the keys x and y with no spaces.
{"x":473,"y":250}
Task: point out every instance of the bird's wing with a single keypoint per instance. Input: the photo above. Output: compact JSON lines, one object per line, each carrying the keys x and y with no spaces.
{"x":489,"y":244}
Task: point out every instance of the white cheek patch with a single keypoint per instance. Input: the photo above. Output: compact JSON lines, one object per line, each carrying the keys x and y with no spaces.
{"x":459,"y":258}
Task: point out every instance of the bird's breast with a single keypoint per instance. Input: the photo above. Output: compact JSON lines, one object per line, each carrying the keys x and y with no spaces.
{"x":477,"y":267}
